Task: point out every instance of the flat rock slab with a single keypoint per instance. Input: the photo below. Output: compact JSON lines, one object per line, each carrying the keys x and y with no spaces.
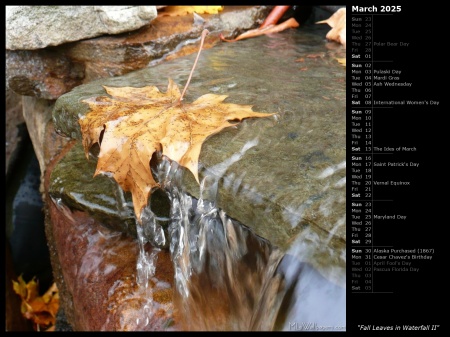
{"x":276,"y":175}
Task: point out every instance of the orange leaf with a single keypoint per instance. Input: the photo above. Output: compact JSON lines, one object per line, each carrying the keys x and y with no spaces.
{"x":32,"y":290}
{"x":342,"y":60}
{"x":338,"y":24}
{"x":20,"y":288}
{"x":137,"y":122}
{"x":41,"y":309}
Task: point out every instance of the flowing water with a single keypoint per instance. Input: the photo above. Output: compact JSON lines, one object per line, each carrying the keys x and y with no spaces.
{"x":227,"y":277}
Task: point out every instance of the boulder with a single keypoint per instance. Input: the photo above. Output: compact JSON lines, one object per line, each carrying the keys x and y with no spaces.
{"x":37,"y":27}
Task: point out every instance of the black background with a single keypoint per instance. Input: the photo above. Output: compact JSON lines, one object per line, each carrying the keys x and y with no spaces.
{"x":411,"y":298}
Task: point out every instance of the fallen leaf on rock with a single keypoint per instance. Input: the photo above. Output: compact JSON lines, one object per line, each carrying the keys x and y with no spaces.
{"x":271,"y":29}
{"x":337,"y":22}
{"x":316,"y":55}
{"x":183,"y":10}
{"x":134,"y":123}
{"x":342,"y":60}
{"x":40,"y":309}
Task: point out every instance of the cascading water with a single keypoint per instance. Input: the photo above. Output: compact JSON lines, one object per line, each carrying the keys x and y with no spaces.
{"x":227,"y":277}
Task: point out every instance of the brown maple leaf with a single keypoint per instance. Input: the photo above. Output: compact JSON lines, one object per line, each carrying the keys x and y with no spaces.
{"x":135,"y":123}
{"x":337,"y":22}
{"x":40,"y":309}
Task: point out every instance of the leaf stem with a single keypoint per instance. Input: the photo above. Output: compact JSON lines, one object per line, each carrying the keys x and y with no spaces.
{"x":204,"y":33}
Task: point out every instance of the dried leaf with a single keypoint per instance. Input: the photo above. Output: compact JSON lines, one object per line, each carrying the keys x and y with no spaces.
{"x":138,"y":122}
{"x":338,"y":24}
{"x":342,"y":60}
{"x":40,"y":309}
{"x":315,"y":55}
{"x":183,"y":10}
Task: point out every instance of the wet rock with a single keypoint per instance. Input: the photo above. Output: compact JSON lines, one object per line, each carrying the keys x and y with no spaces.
{"x":97,"y":279}
{"x":166,"y":37}
{"x":282,"y":184}
{"x":38,"y":117}
{"x":36,"y":27}
{"x":44,"y":73}
{"x":39,"y":128}
{"x":61,"y":323}
{"x":13,"y":119}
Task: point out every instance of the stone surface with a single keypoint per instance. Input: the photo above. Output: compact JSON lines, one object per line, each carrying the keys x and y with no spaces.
{"x":43,"y":73}
{"x":294,"y":178}
{"x":13,"y":118}
{"x":98,"y":290}
{"x":36,"y":27}
{"x":38,"y":115}
{"x":165,"y":38}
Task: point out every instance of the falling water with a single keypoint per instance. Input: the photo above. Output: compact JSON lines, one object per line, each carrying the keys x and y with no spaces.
{"x":227,"y":277}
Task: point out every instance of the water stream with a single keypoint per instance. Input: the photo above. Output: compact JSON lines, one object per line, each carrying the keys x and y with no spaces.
{"x":229,"y":278}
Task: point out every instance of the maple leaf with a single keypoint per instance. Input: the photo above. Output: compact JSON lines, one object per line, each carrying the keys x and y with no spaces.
{"x":134,"y":123}
{"x":40,"y":309}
